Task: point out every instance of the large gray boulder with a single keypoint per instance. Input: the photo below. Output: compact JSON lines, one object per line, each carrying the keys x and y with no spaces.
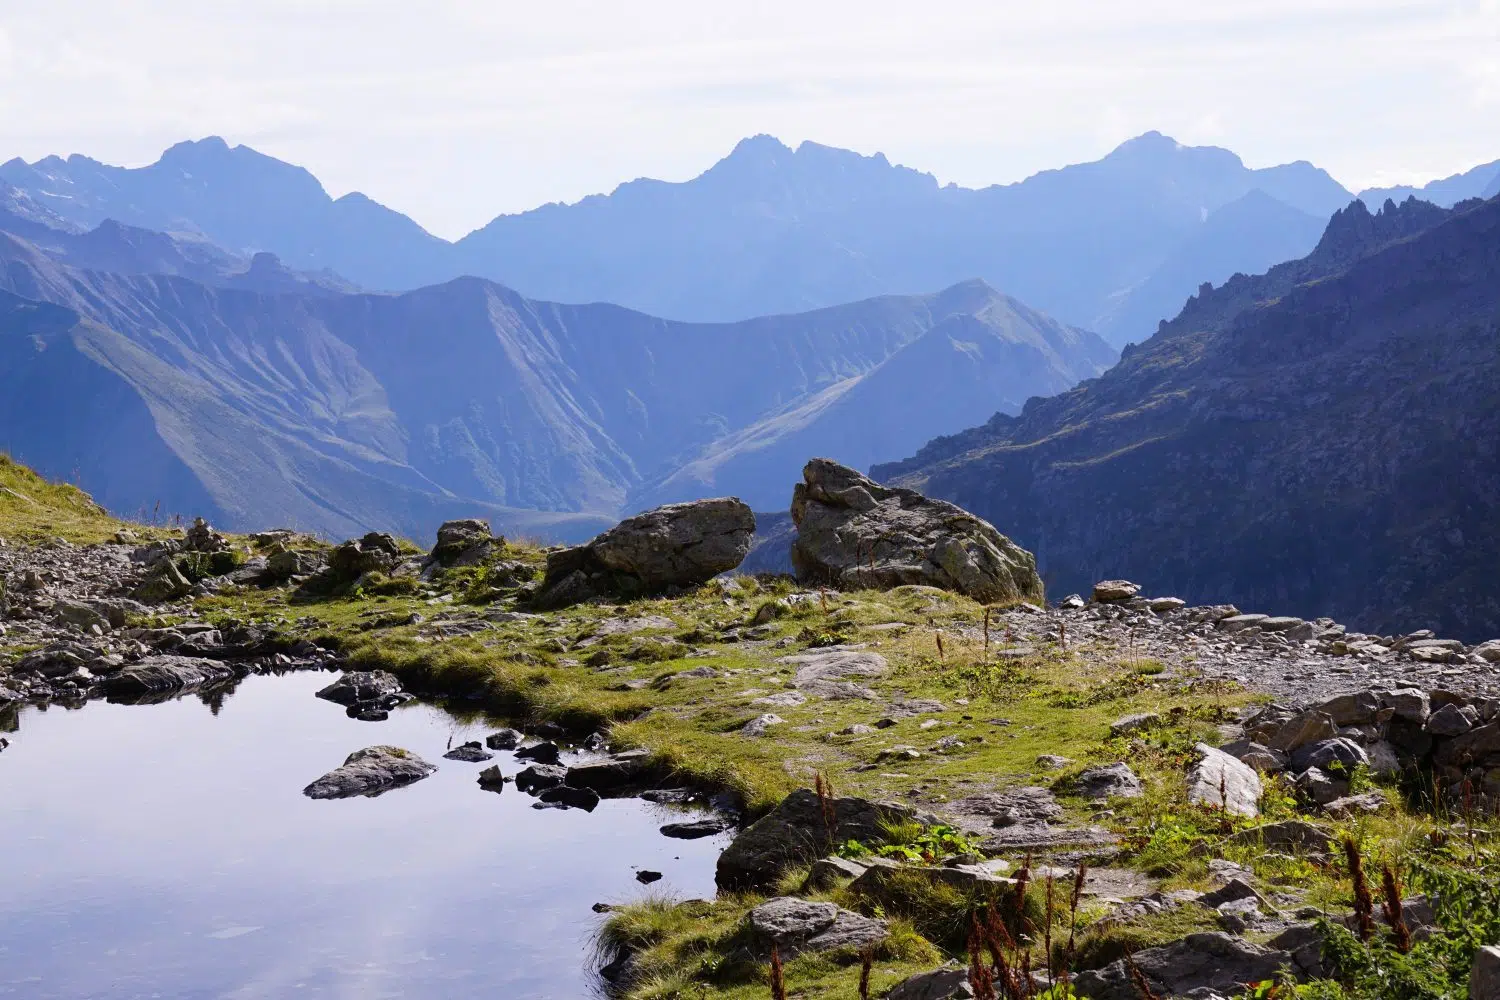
{"x":679,"y":545}
{"x":852,"y":532}
{"x":1217,"y":962}
{"x":796,"y":832}
{"x":1222,"y":782}
{"x":369,"y":772}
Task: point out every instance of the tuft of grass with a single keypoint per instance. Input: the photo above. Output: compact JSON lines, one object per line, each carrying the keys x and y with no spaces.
{"x":33,"y":510}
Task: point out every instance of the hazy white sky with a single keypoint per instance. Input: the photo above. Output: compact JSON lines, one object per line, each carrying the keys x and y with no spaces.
{"x":456,"y":110}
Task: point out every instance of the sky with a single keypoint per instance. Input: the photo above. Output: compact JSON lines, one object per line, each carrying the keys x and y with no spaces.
{"x":454,"y":112}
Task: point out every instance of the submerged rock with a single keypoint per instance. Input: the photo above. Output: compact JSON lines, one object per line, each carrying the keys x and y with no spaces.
{"x":852,"y":532}
{"x":369,"y":772}
{"x":470,"y":753}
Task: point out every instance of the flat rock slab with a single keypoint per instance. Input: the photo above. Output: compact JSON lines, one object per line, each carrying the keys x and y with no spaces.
{"x":160,"y":675}
{"x":826,"y":673}
{"x":796,"y":926}
{"x":795,"y":832}
{"x":369,"y":772}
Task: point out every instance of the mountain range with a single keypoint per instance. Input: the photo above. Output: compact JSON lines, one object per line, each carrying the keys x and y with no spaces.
{"x":1323,"y":437}
{"x":1106,"y":246}
{"x":154,"y":370}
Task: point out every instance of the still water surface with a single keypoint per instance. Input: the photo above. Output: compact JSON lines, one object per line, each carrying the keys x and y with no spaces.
{"x":165,"y":851}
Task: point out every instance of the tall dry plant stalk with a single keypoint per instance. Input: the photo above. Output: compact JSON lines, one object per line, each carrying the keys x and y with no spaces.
{"x":1364,"y":905}
{"x":778,"y":976}
{"x":942,"y":658}
{"x":987,"y":613}
{"x":824,"y":789}
{"x":1394,"y":914}
{"x":866,"y":963}
{"x":981,"y":980}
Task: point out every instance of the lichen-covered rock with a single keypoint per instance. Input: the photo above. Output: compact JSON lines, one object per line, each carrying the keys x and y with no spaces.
{"x":679,"y":545}
{"x":852,"y":532}
{"x":369,"y":772}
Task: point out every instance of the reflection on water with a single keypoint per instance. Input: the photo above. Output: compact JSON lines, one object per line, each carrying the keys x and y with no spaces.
{"x":168,"y":851}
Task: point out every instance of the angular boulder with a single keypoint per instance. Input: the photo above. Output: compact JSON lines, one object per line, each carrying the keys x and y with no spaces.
{"x":376,"y":552}
{"x":1109,"y":591}
{"x":462,"y":542}
{"x":369,"y":772}
{"x":679,"y":545}
{"x":853,"y":533}
{"x":1221,"y":782}
{"x":1217,"y":962}
{"x":796,"y":832}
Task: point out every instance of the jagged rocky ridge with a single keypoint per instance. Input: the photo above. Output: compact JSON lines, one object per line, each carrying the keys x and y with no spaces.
{"x":1320,"y":438}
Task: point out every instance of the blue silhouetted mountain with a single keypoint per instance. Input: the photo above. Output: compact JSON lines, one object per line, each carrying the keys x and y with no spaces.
{"x":769,"y":229}
{"x":285,"y":401}
{"x":1482,"y":181}
{"x":244,"y":201}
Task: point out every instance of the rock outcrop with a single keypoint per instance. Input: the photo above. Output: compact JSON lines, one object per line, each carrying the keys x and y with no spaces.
{"x":853,"y":532}
{"x":679,"y":545}
{"x":797,"y":832}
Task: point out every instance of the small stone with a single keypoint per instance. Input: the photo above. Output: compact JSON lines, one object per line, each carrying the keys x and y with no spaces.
{"x":761,"y":724}
{"x":696,"y":829}
{"x":541,"y":776}
{"x":504,"y":739}
{"x":1351,"y":806}
{"x":542,"y":753}
{"x":1166,"y":605}
{"x":1053,"y":762}
{"x":491,"y":780}
{"x":645,"y":877}
{"x":471,"y":753}
{"x":574,"y":798}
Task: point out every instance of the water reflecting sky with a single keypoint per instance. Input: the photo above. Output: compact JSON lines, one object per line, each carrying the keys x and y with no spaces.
{"x":163,"y":851}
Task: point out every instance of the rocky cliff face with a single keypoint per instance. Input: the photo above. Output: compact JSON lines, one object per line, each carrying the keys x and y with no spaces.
{"x":1322,"y":438}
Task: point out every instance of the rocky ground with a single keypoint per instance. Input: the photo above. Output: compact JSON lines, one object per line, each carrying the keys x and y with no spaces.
{"x":908,"y":764}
